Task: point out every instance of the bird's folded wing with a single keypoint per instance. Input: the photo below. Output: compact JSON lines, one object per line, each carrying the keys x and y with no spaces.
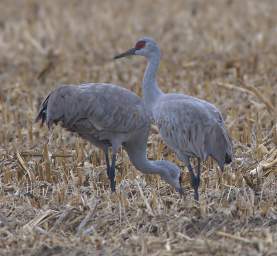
{"x":97,"y":108}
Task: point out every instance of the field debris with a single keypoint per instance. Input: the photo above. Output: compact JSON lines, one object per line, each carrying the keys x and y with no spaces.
{"x":54,"y":193}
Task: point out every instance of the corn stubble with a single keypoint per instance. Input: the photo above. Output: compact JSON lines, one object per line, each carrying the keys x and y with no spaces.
{"x":54,"y":194}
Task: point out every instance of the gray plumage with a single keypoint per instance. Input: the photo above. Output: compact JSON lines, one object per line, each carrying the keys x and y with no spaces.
{"x":107,"y":116}
{"x":190,"y":126}
{"x":193,"y":128}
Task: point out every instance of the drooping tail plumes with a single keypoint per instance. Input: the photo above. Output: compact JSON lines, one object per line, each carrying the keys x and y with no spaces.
{"x":42,"y":114}
{"x":229,"y":151}
{"x":220,"y":146}
{"x":228,"y":158}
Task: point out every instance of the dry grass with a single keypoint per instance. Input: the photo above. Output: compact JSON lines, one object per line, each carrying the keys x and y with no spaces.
{"x":56,"y":200}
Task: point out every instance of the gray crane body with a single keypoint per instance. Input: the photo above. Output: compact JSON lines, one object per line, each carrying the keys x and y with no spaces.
{"x":107,"y":116}
{"x":190,"y":126}
{"x":189,"y":122}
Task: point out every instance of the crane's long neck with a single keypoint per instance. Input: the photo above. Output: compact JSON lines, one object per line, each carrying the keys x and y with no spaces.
{"x":151,"y":90}
{"x":138,"y":157}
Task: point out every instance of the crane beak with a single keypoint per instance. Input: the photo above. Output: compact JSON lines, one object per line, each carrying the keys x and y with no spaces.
{"x":130,"y":52}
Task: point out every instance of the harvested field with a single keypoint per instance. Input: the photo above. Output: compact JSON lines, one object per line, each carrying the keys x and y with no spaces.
{"x":55,"y":198}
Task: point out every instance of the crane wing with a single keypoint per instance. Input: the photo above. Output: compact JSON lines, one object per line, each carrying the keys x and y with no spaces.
{"x":101,"y":108}
{"x":185,"y":123}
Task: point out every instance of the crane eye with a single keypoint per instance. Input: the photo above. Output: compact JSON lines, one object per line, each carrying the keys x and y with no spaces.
{"x":140,"y":45}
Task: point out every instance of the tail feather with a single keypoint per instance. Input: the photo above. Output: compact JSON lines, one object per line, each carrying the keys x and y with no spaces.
{"x":229,"y":153}
{"x":42,"y":114}
{"x":228,"y":158}
{"x":219,"y":146}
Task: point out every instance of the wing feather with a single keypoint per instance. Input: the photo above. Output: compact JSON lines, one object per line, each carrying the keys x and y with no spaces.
{"x":99,"y":108}
{"x":186,"y":124}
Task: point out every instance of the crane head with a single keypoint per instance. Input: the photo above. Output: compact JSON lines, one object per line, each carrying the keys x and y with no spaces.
{"x":171,"y":174}
{"x":145,"y":46}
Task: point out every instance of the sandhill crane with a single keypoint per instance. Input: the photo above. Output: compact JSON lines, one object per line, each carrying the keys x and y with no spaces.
{"x":190,"y":126}
{"x":107,"y":116}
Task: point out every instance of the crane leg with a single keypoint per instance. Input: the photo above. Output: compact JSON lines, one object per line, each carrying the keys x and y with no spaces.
{"x":106,"y":151}
{"x":112,"y":173}
{"x":195,"y":179}
{"x":198,"y":173}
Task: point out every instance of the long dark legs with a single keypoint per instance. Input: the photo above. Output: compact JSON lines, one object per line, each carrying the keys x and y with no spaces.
{"x":112,"y":173}
{"x":198,"y":173}
{"x":110,"y":169}
{"x":107,"y":162}
{"x":195,"y":179}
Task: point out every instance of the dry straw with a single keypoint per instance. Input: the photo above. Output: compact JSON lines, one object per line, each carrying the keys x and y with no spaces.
{"x":55,"y":197}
